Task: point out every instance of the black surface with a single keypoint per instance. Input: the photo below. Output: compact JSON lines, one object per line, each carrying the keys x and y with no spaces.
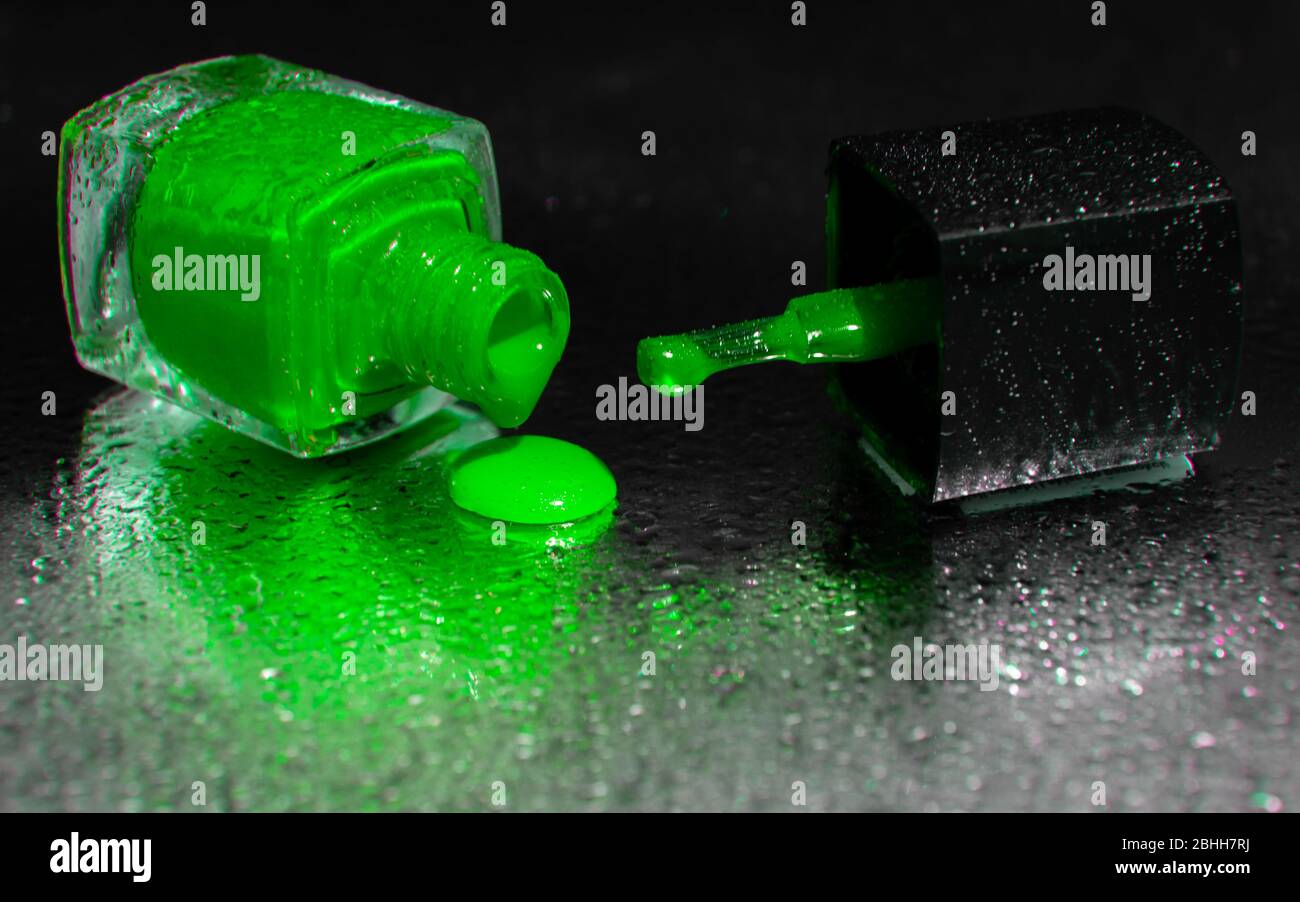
{"x":744,"y":106}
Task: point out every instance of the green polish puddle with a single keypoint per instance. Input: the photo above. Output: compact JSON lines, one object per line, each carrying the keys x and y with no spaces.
{"x":531,"y":479}
{"x":845,"y":325}
{"x":537,"y":536}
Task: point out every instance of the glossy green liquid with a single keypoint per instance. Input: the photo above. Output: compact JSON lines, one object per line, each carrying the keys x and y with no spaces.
{"x":845,"y":325}
{"x":531,"y":479}
{"x":375,"y":280}
{"x":229,"y":182}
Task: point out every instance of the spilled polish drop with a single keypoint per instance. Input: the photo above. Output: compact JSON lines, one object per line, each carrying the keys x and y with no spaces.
{"x":531,"y":479}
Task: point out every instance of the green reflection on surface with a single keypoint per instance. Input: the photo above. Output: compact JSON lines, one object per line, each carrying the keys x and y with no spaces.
{"x":344,"y":637}
{"x":346,"y":592}
{"x":312,"y":573}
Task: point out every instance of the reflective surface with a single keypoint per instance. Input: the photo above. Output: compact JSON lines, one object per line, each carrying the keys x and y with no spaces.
{"x":344,"y":639}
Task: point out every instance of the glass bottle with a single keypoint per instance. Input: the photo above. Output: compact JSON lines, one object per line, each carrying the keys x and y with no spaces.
{"x":307,"y":260}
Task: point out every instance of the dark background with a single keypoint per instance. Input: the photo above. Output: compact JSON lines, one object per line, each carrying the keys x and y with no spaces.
{"x":744,"y":106}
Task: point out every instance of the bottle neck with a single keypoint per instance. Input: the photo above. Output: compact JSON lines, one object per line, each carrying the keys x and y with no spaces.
{"x":476,"y":318}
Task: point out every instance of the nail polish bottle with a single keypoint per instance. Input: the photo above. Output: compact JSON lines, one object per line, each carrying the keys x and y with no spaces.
{"x":312,"y":262}
{"x":970,"y":361}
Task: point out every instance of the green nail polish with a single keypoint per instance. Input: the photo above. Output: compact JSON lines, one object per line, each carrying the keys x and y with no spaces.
{"x":844,"y":325}
{"x":309,"y":261}
{"x":531,"y":479}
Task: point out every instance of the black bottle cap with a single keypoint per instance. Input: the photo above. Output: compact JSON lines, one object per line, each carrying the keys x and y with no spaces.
{"x":1042,"y":375}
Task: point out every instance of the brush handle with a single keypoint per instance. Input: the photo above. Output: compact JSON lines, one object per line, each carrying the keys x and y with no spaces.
{"x":843,"y":325}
